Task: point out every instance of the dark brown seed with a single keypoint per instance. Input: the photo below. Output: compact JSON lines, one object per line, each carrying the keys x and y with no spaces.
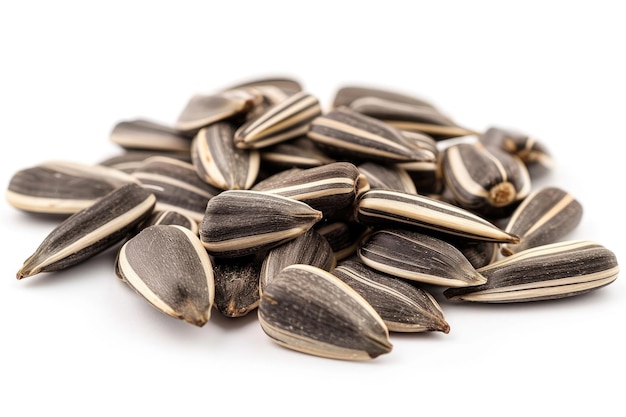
{"x":299,"y":152}
{"x":128,"y":161}
{"x":142,"y":134}
{"x":387,"y":177}
{"x":237,"y":285}
{"x":343,"y":236}
{"x":173,"y":218}
{"x":91,"y":230}
{"x":345,"y":95}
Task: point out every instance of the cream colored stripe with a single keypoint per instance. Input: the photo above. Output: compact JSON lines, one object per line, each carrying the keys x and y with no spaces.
{"x":171,"y":181}
{"x":344,"y":127}
{"x":554,"y":211}
{"x":462,"y":175}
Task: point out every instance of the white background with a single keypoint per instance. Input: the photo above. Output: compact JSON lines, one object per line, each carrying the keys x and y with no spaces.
{"x":80,"y":342}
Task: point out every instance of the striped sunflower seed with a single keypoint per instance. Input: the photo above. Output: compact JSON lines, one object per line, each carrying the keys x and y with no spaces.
{"x":128,"y":161}
{"x":385,"y":208}
{"x":219,"y":162}
{"x":484,"y":180}
{"x":244,"y":222}
{"x":142,"y":134}
{"x":91,"y":230}
{"x":176,"y":185}
{"x":478,"y":252}
{"x":343,"y":236}
{"x":331,"y":188}
{"x":557,"y":270}
{"x":347,"y":94}
{"x":387,"y":177}
{"x":289,"y":86}
{"x":172,"y":218}
{"x":298,"y":152}
{"x":237,"y":285}
{"x":402,"y":306}
{"x":310,"y":248}
{"x":344,"y":133}
{"x":309,"y":310}
{"x":62,"y":187}
{"x":168,"y":266}
{"x":286,"y":120}
{"x":544,"y":217}
{"x":418,"y":257}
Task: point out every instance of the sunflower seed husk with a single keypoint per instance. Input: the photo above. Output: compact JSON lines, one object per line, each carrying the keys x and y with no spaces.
{"x":383,"y":208}
{"x":172,"y":217}
{"x":422,"y":141}
{"x":176,"y":185}
{"x":331,"y":188}
{"x":204,"y":109}
{"x":345,"y":95}
{"x":529,"y":149}
{"x":557,"y":270}
{"x":243,"y":222}
{"x":343,"y":236}
{"x":346,"y":134}
{"x":309,"y":310}
{"x":286,"y":120}
{"x":310,"y":248}
{"x":91,"y":230}
{"x":287,"y":85}
{"x":387,"y":177}
{"x":62,"y":187}
{"x":478,"y":252}
{"x":142,"y":134}
{"x":402,"y":306}
{"x":237,"y":285}
{"x":219,"y":162}
{"x":168,"y":266}
{"x":418,"y":257}
{"x":128,"y":161}
{"x":544,"y":217}
{"x":299,"y":152}
{"x":484,"y":180}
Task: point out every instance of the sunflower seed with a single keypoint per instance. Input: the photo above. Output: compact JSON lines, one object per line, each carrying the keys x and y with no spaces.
{"x":309,"y":310}
{"x":288,"y":86}
{"x":349,"y":93}
{"x":91,"y":230}
{"x":172,"y":217}
{"x":142,"y":134}
{"x":418,"y":257}
{"x":331,"y":188}
{"x":299,"y":152}
{"x":402,"y":306}
{"x":243,"y":222}
{"x":128,"y":161}
{"x":168,"y":267}
{"x":219,"y":162}
{"x":552,"y":271}
{"x":343,"y":236}
{"x":387,"y":177}
{"x":237,"y":285}
{"x":484,"y":180}
{"x":395,"y":209}
{"x":544,"y":217}
{"x":310,"y":248}
{"x":286,"y":120}
{"x":62,"y":187}
{"x":478,"y":252}
{"x":344,"y":133}
{"x":204,"y":109}
{"x":176,"y":185}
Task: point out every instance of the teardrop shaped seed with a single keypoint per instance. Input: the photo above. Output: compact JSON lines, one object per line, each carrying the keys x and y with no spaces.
{"x":172,"y":217}
{"x":482,"y":179}
{"x":288,"y":85}
{"x":237,"y":285}
{"x":298,"y":152}
{"x":346,"y":134}
{"x":128,"y":161}
{"x":176,"y":185}
{"x":413,"y":117}
{"x":478,"y":252}
{"x":243,"y":222}
{"x":92,"y":230}
{"x":402,"y":306}
{"x":62,"y":187}
{"x":387,"y":177}
{"x":547,"y":272}
{"x":343,"y":236}
{"x":286,"y":120}
{"x":544,"y":217}
{"x":310,"y":248}
{"x":309,"y":310}
{"x":347,"y":94}
{"x":168,"y":266}
{"x":219,"y":162}
{"x":530,"y":150}
{"x":418,"y":257}
{"x":142,"y":134}
{"x":331,"y":188}
{"x":419,"y":140}
{"x":204,"y":109}
{"x":394,"y":209}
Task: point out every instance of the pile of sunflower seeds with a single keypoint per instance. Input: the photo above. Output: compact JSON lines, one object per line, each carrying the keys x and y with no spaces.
{"x":332,"y":225}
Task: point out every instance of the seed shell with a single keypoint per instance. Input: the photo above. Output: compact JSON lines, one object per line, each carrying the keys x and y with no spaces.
{"x":91,"y":230}
{"x":347,"y":94}
{"x":298,"y":152}
{"x":172,"y":217}
{"x":309,"y":310}
{"x":544,"y":217}
{"x":128,"y":161}
{"x":243,"y":222}
{"x":168,"y":266}
{"x":387,"y":177}
{"x":237,"y":285}
{"x":418,"y":257}
{"x":142,"y":134}
{"x":402,"y":306}
{"x":383,"y":208}
{"x":219,"y":162}
{"x":343,"y":236}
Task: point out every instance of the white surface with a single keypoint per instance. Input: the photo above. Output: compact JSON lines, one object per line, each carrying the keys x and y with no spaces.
{"x":80,"y":342}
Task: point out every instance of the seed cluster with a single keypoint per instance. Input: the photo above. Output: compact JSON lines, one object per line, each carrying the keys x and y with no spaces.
{"x":332,"y":225}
